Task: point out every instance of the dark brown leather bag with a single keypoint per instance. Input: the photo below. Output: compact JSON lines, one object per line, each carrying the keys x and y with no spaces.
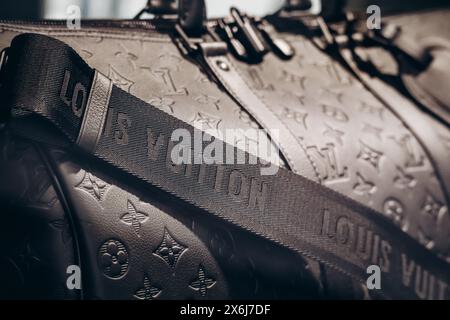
{"x":341,"y":128}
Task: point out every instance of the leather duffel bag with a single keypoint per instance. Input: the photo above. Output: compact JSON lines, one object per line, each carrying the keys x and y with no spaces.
{"x":363,"y":181}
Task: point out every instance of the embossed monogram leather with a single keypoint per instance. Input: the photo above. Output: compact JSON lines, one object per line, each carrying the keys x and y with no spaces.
{"x":134,"y":244}
{"x":355,"y":143}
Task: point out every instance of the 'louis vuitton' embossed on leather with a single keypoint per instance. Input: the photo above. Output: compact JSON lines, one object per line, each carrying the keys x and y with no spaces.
{"x":140,"y":246}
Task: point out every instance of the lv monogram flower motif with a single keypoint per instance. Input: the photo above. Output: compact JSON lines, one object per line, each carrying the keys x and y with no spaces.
{"x":202,"y":283}
{"x":245,"y":117}
{"x":163,"y":103}
{"x":394,"y":209}
{"x":299,"y":117}
{"x":129,"y":56}
{"x":370,"y":155}
{"x":370,"y":129}
{"x":432,"y":207}
{"x":113,"y":258}
{"x":28,"y":258}
{"x":293,"y":78}
{"x":94,"y":186}
{"x":207,"y":121}
{"x":148,"y":291}
{"x":134,"y":217}
{"x":119,"y":80}
{"x":404,"y":180}
{"x":207,"y":99}
{"x":169,"y":249}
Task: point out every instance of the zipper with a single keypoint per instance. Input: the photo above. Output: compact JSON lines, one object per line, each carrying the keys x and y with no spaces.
{"x":148,"y":25}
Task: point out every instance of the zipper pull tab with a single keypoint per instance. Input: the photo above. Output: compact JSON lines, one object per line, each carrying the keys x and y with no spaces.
{"x":248,"y":34}
{"x":237,"y":47}
{"x":279,"y":46}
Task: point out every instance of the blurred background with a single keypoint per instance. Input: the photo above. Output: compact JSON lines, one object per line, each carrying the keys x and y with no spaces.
{"x":126,"y":9}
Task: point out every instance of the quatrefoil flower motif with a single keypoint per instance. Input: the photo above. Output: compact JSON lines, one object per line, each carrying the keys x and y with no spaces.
{"x":163,"y":103}
{"x":202,"y":283}
{"x":148,"y":291}
{"x":134,"y":218}
{"x":94,"y":186}
{"x":169,"y":249}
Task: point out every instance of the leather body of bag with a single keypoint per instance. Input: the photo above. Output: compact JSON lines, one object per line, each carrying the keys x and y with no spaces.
{"x":61,"y":209}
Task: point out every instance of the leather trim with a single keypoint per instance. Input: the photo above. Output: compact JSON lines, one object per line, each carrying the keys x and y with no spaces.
{"x":95,"y":113}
